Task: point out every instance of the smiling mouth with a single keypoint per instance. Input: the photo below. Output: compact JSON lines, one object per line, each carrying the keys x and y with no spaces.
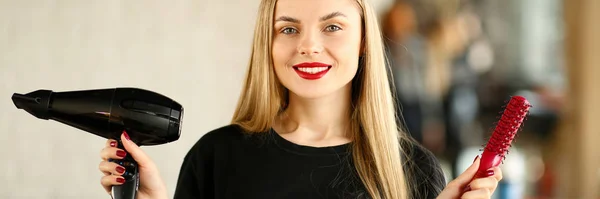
{"x":312,"y":73}
{"x":312,"y":70}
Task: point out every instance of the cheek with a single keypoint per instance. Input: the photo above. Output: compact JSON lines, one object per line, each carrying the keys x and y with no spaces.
{"x":281,"y":52}
{"x":345,"y":50}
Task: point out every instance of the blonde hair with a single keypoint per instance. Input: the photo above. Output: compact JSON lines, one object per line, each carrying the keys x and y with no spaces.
{"x":375,"y":133}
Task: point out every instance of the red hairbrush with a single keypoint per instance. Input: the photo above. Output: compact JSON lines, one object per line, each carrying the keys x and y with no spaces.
{"x":497,"y":147}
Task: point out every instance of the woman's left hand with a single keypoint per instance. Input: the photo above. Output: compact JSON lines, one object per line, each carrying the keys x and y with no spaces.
{"x":465,"y":187}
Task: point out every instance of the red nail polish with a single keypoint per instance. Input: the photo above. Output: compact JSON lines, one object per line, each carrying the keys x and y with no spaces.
{"x":113,"y":143}
{"x":120,"y":169}
{"x":475,"y":159}
{"x":489,"y":173}
{"x":121,"y":153}
{"x":467,"y":188}
{"x":120,"y":180}
{"x":126,"y":135}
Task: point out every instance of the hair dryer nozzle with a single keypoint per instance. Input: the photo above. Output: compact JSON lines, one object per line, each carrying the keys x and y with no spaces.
{"x":36,"y":103}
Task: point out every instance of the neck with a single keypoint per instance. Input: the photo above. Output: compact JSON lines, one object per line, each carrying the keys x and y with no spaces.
{"x":317,"y":122}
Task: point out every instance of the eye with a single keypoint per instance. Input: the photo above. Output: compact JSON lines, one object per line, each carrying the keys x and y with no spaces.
{"x":332,"y":28}
{"x":288,"y":31}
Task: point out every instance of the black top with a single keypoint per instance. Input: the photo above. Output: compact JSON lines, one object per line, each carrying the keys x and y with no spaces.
{"x":227,"y":163}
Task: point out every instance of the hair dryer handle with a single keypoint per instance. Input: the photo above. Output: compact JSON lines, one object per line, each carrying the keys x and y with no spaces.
{"x":127,"y":190}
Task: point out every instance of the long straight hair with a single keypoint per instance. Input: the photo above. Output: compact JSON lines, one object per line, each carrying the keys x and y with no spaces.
{"x":375,"y":133}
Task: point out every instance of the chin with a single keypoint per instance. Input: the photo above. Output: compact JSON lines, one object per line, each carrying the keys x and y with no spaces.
{"x":328,"y":85}
{"x":310,"y":93}
{"x":316,"y":91}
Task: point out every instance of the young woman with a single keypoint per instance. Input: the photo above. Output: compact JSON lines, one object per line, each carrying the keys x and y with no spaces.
{"x":315,"y":119}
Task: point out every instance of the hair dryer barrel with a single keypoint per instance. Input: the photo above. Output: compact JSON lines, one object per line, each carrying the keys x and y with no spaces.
{"x":148,"y":117}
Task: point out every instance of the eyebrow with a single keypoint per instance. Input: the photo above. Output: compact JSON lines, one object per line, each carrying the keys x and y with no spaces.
{"x":324,"y":18}
{"x":332,"y":15}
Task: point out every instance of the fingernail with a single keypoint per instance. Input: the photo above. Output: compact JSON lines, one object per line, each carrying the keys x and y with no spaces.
{"x":489,"y":173}
{"x":120,"y":169}
{"x":121,"y":153}
{"x":120,"y":180}
{"x":126,"y":135}
{"x":476,"y":157}
{"x":468,"y":188}
{"x":113,"y":143}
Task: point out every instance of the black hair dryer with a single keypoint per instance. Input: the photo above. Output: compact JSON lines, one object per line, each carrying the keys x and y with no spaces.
{"x":148,"y":117}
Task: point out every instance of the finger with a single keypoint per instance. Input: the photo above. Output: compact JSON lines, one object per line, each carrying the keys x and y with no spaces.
{"x":489,"y":183}
{"x":497,"y":173}
{"x":135,"y":151}
{"x":112,"y":153}
{"x":463,"y":179}
{"x":110,"y":180}
{"x":111,"y":168}
{"x":111,"y":143}
{"x":477,"y":194}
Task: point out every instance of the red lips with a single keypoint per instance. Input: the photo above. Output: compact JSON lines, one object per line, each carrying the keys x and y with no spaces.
{"x":311,"y":70}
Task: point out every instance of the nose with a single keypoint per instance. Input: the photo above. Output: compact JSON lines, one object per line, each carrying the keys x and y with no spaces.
{"x":309,"y":44}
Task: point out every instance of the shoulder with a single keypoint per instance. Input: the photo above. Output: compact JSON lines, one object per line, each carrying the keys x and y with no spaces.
{"x":423,"y":170}
{"x":226,"y":138}
{"x":205,"y":160}
{"x":211,"y":141}
{"x":222,"y":134}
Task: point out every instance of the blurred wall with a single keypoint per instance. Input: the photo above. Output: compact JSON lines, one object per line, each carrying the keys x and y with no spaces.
{"x":193,"y":51}
{"x":577,"y":147}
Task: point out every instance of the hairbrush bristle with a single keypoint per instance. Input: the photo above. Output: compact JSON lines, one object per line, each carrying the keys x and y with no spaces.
{"x":496,"y":149}
{"x":508,"y":125}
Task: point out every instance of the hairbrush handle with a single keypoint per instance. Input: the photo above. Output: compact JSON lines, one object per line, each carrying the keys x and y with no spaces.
{"x":487,"y":161}
{"x":510,"y":122}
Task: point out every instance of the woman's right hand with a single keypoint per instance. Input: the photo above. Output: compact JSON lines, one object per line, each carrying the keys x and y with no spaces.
{"x":151,"y":185}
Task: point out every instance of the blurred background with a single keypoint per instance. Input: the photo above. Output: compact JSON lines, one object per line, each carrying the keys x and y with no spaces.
{"x":454,"y":62}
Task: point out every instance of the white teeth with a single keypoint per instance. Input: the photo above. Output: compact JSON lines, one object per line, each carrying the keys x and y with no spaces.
{"x":313,"y":70}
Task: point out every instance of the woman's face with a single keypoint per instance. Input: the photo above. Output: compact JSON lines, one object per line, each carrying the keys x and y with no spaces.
{"x":316,"y":45}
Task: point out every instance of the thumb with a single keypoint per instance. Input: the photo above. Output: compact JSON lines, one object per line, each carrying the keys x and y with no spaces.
{"x":136,"y":152}
{"x":456,"y":187}
{"x":466,"y":177}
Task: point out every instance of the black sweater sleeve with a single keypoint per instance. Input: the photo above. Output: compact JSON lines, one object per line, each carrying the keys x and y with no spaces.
{"x":195,"y":179}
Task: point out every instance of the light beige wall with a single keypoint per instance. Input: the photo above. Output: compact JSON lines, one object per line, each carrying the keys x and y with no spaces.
{"x":193,"y":51}
{"x":577,"y":157}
